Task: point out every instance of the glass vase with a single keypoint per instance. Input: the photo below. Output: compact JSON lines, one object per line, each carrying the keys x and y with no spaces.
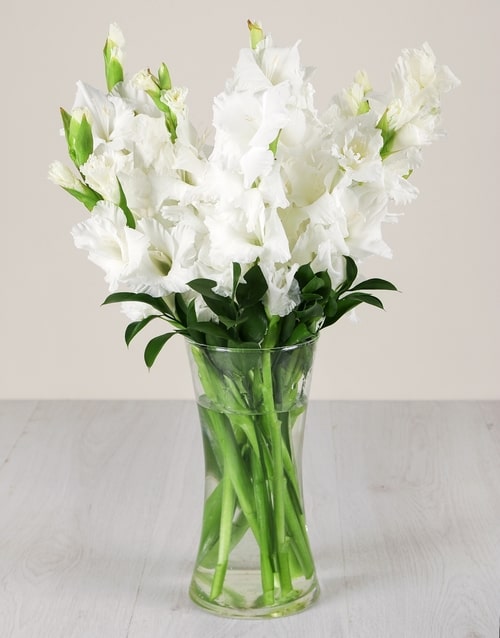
{"x":254,"y":558}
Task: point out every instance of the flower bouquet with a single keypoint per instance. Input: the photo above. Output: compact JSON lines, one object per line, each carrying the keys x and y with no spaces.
{"x":247,"y":245}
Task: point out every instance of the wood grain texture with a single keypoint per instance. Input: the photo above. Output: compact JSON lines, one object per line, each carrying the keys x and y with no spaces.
{"x":100,"y":511}
{"x":14,"y":416}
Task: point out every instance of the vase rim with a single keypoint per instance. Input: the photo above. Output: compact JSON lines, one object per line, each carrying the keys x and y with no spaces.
{"x":308,"y":342}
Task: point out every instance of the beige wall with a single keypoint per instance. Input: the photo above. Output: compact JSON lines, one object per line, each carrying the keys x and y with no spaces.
{"x":439,"y":339}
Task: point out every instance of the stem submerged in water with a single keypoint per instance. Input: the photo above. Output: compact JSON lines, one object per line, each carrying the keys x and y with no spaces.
{"x":249,"y":403}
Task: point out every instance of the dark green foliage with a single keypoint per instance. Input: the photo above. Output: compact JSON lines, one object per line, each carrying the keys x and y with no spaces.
{"x":242,"y":320}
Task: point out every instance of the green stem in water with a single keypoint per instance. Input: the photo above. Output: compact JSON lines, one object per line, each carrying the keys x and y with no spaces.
{"x":262,"y":506}
{"x":247,"y":428}
{"x":278,"y":479}
{"x":295,"y":522}
{"x":226,"y":523}
{"x":299,"y":540}
{"x":234,"y":469}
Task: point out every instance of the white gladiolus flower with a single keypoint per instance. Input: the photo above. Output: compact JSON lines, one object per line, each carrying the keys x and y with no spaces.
{"x":151,"y":144}
{"x":230,"y":240}
{"x":246,"y":124}
{"x":281,"y":64}
{"x":101,"y":172}
{"x":358,"y":150}
{"x":108,"y":115}
{"x":134,"y":94}
{"x":146,"y":192}
{"x":135,"y":310}
{"x":283,"y":186}
{"x":257,"y":162}
{"x":63,"y":176}
{"x":283,"y":292}
{"x":143,"y":81}
{"x":175,"y":99}
{"x":417,"y":83}
{"x":366,"y":209}
{"x":171,"y":253}
{"x":351,"y":102}
{"x":397,"y":167}
{"x":325,"y":224}
{"x":117,"y":249}
{"x":416,"y":71}
{"x":272,"y":189}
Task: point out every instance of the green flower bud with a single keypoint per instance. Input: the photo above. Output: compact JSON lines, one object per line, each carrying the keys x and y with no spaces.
{"x":164,"y":77}
{"x":113,"y":57}
{"x":79,"y":136}
{"x":256,"y":33}
{"x":64,"y":177}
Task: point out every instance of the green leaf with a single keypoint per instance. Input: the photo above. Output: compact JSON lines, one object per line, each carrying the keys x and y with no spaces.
{"x":273,"y":146}
{"x":180,"y":308}
{"x":286,"y":326}
{"x":363,"y":107}
{"x":191,"y":317}
{"x":210,"y":328}
{"x":351,"y":272}
{"x":236,"y":278}
{"x":349,"y":302}
{"x":369,"y":299}
{"x":255,"y":323}
{"x":300,"y":333}
{"x":222,"y":306}
{"x":204,"y":287}
{"x":251,"y":292}
{"x":331,"y":306}
{"x":313,"y":285}
{"x":154,"y":347}
{"x":156,"y":302}
{"x":325,"y":277}
{"x":388,"y":135}
{"x":89,"y":198}
{"x":375,"y":284}
{"x":129,"y":216}
{"x":312,"y":312}
{"x":304,"y":275}
{"x":134,"y":328}
{"x":155,"y":96}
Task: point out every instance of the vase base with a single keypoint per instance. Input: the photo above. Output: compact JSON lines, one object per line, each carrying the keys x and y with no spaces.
{"x":235,"y":605}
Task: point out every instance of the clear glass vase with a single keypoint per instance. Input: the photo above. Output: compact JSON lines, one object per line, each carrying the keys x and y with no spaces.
{"x":254,"y":558}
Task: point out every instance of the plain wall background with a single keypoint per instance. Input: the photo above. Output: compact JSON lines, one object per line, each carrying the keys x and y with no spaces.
{"x":439,"y":339}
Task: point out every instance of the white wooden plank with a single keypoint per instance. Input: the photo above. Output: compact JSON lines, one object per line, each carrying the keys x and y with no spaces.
{"x":14,"y":416}
{"x":78,"y":504}
{"x":420,"y":519}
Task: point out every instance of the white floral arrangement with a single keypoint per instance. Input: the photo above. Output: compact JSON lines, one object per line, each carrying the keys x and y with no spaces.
{"x":257,"y":238}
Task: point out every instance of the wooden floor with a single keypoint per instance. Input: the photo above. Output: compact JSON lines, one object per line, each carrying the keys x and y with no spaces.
{"x":100,"y":506}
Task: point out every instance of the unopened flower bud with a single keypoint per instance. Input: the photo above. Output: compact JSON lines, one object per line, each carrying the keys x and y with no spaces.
{"x":164,"y":77}
{"x":113,"y":56}
{"x":256,"y":33}
{"x":63,"y":176}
